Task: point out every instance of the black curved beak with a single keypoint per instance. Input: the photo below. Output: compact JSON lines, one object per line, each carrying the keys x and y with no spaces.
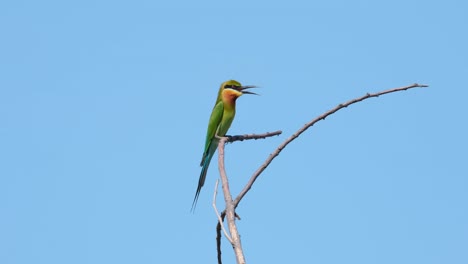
{"x":242,"y":89}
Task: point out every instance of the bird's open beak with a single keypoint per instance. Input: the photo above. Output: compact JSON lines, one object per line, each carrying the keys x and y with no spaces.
{"x":242,"y":89}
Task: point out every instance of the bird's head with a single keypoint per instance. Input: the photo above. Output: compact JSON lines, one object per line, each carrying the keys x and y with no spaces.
{"x":233,"y":89}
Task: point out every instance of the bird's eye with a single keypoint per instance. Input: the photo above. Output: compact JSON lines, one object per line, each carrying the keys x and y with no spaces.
{"x":228,"y":86}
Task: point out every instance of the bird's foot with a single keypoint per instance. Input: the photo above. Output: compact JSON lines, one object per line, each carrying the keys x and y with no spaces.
{"x":229,"y":138}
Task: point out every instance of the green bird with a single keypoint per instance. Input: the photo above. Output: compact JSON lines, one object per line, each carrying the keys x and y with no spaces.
{"x":220,"y":120}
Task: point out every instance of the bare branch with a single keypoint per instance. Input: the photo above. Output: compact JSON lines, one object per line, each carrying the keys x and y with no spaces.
{"x":231,"y":205}
{"x":230,"y":215}
{"x":253,"y":136}
{"x":217,"y":213}
{"x":218,"y":237}
{"x":221,"y":217}
{"x":305,"y":127}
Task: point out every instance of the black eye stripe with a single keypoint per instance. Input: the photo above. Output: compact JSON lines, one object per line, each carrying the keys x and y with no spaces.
{"x":230,"y":86}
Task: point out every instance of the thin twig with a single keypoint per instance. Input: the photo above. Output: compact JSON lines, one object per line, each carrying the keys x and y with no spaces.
{"x":253,"y":136}
{"x":217,"y":213}
{"x":305,"y":127}
{"x":218,"y":237}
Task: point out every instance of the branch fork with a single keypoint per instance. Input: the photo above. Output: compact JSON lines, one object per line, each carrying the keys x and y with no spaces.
{"x":231,"y":204}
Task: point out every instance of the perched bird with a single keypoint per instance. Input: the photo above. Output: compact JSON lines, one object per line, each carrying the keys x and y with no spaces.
{"x":220,"y":121}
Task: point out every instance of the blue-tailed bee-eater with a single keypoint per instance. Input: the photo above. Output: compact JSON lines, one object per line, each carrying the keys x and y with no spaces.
{"x":220,"y":120}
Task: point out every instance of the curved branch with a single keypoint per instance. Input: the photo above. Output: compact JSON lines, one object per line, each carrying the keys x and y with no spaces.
{"x":217,"y":213}
{"x":231,"y":205}
{"x":306,"y":126}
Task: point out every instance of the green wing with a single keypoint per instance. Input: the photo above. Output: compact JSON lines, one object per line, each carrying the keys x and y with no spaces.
{"x":215,"y":119}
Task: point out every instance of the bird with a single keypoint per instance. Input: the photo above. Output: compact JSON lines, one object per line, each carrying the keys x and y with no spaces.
{"x":221,"y":119}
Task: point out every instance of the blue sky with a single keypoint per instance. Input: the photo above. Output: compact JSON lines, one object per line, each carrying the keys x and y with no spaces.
{"x":104,"y":107}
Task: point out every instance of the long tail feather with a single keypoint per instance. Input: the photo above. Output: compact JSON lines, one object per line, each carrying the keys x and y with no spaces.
{"x":201,"y":180}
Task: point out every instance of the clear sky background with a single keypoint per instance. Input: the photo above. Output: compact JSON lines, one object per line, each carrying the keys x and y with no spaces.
{"x":104,"y":107}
